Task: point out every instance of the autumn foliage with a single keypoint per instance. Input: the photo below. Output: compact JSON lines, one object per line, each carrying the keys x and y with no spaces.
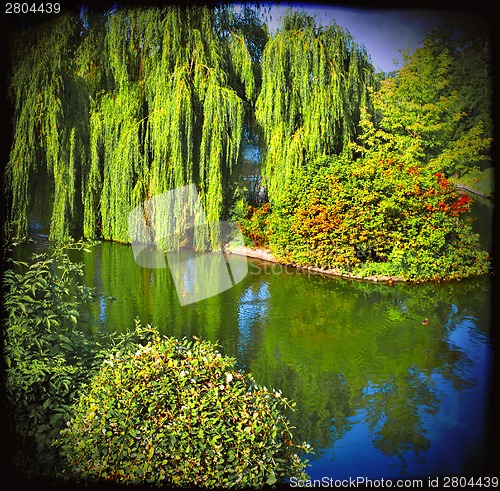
{"x":255,"y":225}
{"x":378,"y":216}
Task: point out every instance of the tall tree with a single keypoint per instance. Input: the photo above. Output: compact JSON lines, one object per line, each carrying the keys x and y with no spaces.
{"x":118,"y":107}
{"x":44,"y":137}
{"x":315,"y":80}
{"x":436,"y":110}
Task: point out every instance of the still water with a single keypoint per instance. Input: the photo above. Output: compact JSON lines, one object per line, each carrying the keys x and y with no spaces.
{"x":379,"y":393}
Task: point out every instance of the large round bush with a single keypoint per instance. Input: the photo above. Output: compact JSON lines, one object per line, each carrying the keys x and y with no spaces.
{"x":178,"y":413}
{"x":376,"y":217}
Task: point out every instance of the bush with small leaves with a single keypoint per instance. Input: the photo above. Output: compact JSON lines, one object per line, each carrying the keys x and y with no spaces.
{"x":376,"y":217}
{"x":255,"y":226}
{"x":178,"y":413}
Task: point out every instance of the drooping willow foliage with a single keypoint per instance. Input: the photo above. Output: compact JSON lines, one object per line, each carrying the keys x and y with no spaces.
{"x":41,"y":143}
{"x":115,"y":108}
{"x":314,"y":83}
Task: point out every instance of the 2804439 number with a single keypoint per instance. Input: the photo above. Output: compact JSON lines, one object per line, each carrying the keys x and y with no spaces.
{"x":461,"y":482}
{"x":26,"y":8}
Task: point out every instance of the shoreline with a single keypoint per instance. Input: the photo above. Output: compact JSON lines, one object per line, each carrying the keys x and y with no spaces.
{"x":472,"y":191}
{"x":265,"y":255}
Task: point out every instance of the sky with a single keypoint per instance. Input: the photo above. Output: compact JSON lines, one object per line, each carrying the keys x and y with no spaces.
{"x":384,"y":32}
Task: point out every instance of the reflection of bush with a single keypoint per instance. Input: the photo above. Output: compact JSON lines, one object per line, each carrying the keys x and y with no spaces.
{"x":319,"y":419}
{"x":111,"y":268}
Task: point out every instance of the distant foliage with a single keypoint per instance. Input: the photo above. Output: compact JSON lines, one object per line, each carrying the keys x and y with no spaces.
{"x":178,"y":413}
{"x":376,"y":217}
{"x":437,"y":109}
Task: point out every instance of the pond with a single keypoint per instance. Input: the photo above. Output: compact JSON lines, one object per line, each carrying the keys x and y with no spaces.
{"x":389,"y":381}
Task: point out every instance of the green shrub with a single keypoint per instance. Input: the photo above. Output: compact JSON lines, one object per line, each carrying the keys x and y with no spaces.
{"x":255,"y":225}
{"x":178,"y":413}
{"x":47,"y":359}
{"x":378,"y":216}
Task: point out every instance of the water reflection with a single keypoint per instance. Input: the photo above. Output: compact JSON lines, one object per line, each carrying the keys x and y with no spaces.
{"x":480,"y":217}
{"x":378,"y":393}
{"x":356,"y":356}
{"x":252,"y":311}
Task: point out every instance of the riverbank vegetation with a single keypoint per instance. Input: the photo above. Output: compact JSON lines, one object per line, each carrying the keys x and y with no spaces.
{"x":114,"y":108}
{"x":384,"y":204}
{"x":375,"y":218}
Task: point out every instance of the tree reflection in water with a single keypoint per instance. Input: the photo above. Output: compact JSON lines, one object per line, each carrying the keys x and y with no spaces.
{"x":354,"y":353}
{"x":354,"y":356}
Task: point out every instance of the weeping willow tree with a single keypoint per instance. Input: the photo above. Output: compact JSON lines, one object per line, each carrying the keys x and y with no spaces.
{"x":315,"y":80}
{"x":45,"y":131}
{"x":114,"y":109}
